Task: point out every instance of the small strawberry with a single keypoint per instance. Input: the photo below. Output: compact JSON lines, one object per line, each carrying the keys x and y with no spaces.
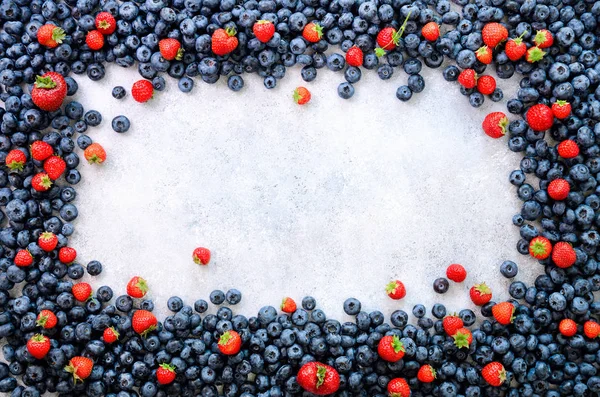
{"x":50,"y":35}
{"x":288,"y":305}
{"x":495,"y":124}
{"x":201,"y":256}
{"x":110,"y":335}
{"x":301,"y":95}
{"x":142,"y":91}
{"x":95,"y":153}
{"x":137,"y":287}
{"x":540,"y":117}
{"x":263,"y":30}
{"x":563,"y":255}
{"x":38,"y":346}
{"x":567,"y":327}
{"x":47,"y":241}
{"x":41,"y":182}
{"x":23,"y":258}
{"x":493,"y":34}
{"x":430,"y":31}
{"x":41,"y":150}
{"x":15,"y":160}
{"x":46,"y":319}
{"x":480,"y":294}
{"x":484,"y":55}
{"x":503,"y":312}
{"x":230,"y":343}
{"x":312,"y":32}
{"x":515,"y":49}
{"x":143,"y":322}
{"x":106,"y":23}
{"x":468,"y":78}
{"x":568,"y":149}
{"x":395,"y":289}
{"x":170,"y":49}
{"x":80,"y":367}
{"x":534,"y":54}
{"x":426,"y":374}
{"x":82,"y":291}
{"x":354,"y":56}
{"x":463,"y":338}
{"x":318,"y":378}
{"x":494,"y":373}
{"x":390,"y":348}
{"x":49,"y":91}
{"x":452,"y":323}
{"x":54,"y":167}
{"x":224,"y":41}
{"x":456,"y":273}
{"x":486,"y":84}
{"x":561,"y":109}
{"x":67,"y":255}
{"x":543,"y":39}
{"x":388,"y":38}
{"x":540,"y":247}
{"x":165,"y":374}
{"x":95,"y":40}
{"x":559,"y":189}
{"x":591,"y":329}
{"x":398,"y":387}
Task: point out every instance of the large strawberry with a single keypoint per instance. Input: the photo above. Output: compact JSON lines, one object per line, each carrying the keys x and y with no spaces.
{"x":388,"y":38}
{"x":318,"y":378}
{"x":15,"y":160}
{"x":503,"y":312}
{"x":54,"y":167}
{"x":230,"y":343}
{"x":38,"y":346}
{"x":540,"y":247}
{"x":568,"y":149}
{"x":452,"y":323}
{"x":312,"y":32}
{"x":137,"y":287}
{"x":430,"y":31}
{"x":494,"y":124}
{"x":41,"y":150}
{"x":224,"y":41}
{"x":263,"y":30}
{"x":468,"y":78}
{"x":480,"y":294}
{"x":46,"y":319}
{"x":23,"y":258}
{"x":390,"y":348}
{"x":591,"y":329}
{"x":354,"y":56}
{"x":484,"y":55}
{"x":494,"y":373}
{"x":50,"y":35}
{"x":47,"y":241}
{"x":41,"y":182}
{"x":515,"y":49}
{"x":67,"y":255}
{"x":563,"y":255}
{"x":426,"y":374}
{"x":493,"y":34}
{"x":105,"y":23}
{"x":49,"y":91}
{"x":80,"y":368}
{"x":398,"y":387}
{"x":456,"y":273}
{"x":559,"y":189}
{"x":170,"y":49}
{"x":567,"y":327}
{"x":165,"y":374}
{"x":561,"y":109}
{"x":82,"y":291}
{"x":143,"y":322}
{"x":142,"y":91}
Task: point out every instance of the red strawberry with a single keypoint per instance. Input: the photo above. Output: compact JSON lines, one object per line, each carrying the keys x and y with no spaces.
{"x":390,"y":348}
{"x":201,"y":256}
{"x":387,"y":39}
{"x":49,"y":91}
{"x":288,"y":305}
{"x":486,"y":85}
{"x":54,"y":167}
{"x":540,"y":247}
{"x":515,"y":49}
{"x":318,"y":378}
{"x":563,"y":255}
{"x":468,"y":78}
{"x":503,"y":312}
{"x":591,"y":329}
{"x":224,"y":41}
{"x":23,"y":258}
{"x":559,"y":189}
{"x":543,"y":39}
{"x":456,"y":273}
{"x":143,"y":322}
{"x":430,"y":31}
{"x":47,"y":241}
{"x":494,"y":125}
{"x":534,"y":54}
{"x":142,"y":91}
{"x":395,"y":289}
{"x":494,"y":373}
{"x":484,"y":55}
{"x":105,"y":23}
{"x":567,"y":327}
{"x":230,"y":343}
{"x":95,"y":153}
{"x":354,"y":56}
{"x":38,"y":346}
{"x":426,"y":374}
{"x":95,"y":40}
{"x":46,"y":319}
{"x":540,"y":117}
{"x":170,"y":49}
{"x":263,"y":30}
{"x":80,"y":367}
{"x":301,"y":95}
{"x":110,"y":335}
{"x":41,"y":150}
{"x":312,"y":32}
{"x":82,"y":291}
{"x":561,"y":109}
{"x":41,"y":182}
{"x":165,"y":374}
{"x":568,"y":149}
{"x":50,"y":35}
{"x":137,"y":287}
{"x":398,"y":387}
{"x":480,"y":294}
{"x":452,"y":323}
{"x":67,"y":255}
{"x":15,"y":160}
{"x":493,"y":34}
{"x":462,"y":338}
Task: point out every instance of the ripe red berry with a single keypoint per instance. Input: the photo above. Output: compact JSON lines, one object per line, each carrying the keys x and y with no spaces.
{"x":142,"y":91}
{"x":94,"y":40}
{"x":456,"y":273}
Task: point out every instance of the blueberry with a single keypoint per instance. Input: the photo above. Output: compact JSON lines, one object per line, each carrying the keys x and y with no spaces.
{"x":509,"y":269}
{"x":120,"y":124}
{"x":201,"y":306}
{"x":352,"y":306}
{"x":309,"y":303}
{"x":233,"y":296}
{"x":345,"y":90}
{"x":441,"y":285}
{"x":404,"y":93}
{"x":235,"y":83}
{"x":175,"y":304}
{"x":217,"y":297}
{"x":119,"y":92}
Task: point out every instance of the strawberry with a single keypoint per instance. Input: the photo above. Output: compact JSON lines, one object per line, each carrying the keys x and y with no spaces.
{"x":301,"y":95}
{"x":462,"y":338}
{"x":170,"y":49}
{"x":559,"y":189}
{"x":15,"y":160}
{"x":41,"y":182}
{"x":142,"y":91}
{"x":390,"y":348}
{"x":49,"y":91}
{"x":494,"y":373}
{"x":591,"y":329}
{"x":224,"y":41}
{"x":54,"y":167}
{"x":503,"y":312}
{"x":480,"y":294}
{"x":50,"y":35}
{"x":515,"y":49}
{"x":106,"y":23}
{"x":312,"y":32}
{"x":563,"y":255}
{"x":143,"y":322}
{"x":46,"y":319}
{"x":95,"y":40}
{"x":426,"y":374}
{"x":567,"y":327}
{"x":80,"y":367}
{"x":395,"y":289}
{"x":82,"y":291}
{"x":484,"y":55}
{"x":38,"y":346}
{"x":354,"y":56}
{"x":201,"y":256}
{"x":430,"y":31}
{"x":110,"y":335}
{"x":388,"y":38}
{"x":47,"y":241}
{"x":165,"y":374}
{"x":452,"y":323}
{"x":543,"y":39}
{"x":67,"y":255}
{"x":540,"y":117}
{"x":318,"y":378}
{"x":288,"y":305}
{"x":398,"y":387}
{"x":456,"y":273}
{"x":41,"y":150}
{"x":561,"y":109}
{"x":486,"y":85}
{"x":23,"y":258}
{"x":540,"y":247}
{"x":95,"y":153}
{"x":468,"y":78}
{"x":568,"y":149}
{"x":493,"y":34}
{"x":230,"y":343}
{"x":494,"y":124}
{"x":534,"y":54}
{"x":137,"y":287}
{"x":263,"y":30}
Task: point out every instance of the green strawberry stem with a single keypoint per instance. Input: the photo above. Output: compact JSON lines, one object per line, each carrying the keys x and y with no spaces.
{"x":519,"y":39}
{"x":321,"y":372}
{"x":168,"y":367}
{"x":540,"y":38}
{"x":395,"y":37}
{"x":535,"y":54}
{"x":44,"y":82}
{"x":403,"y":27}
{"x":148,"y":330}
{"x":225,"y":338}
{"x":179,"y":54}
{"x":461,"y":340}
{"x":397,"y":345}
{"x":58,"y":35}
{"x":391,"y":287}
{"x":38,"y":338}
{"x":230,"y":31}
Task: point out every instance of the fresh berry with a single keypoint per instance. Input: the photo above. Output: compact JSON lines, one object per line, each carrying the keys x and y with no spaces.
{"x":452,"y":323}
{"x":430,"y":31}
{"x":67,"y":255}
{"x":540,"y":117}
{"x":462,"y":338}
{"x":495,"y":124}
{"x":95,"y":153}
{"x":563,"y":255}
{"x":540,"y":247}
{"x":201,"y":256}
{"x":46,"y":319}
{"x":50,"y":35}
{"x":515,"y":49}
{"x":441,"y":285}
{"x":591,"y":329}
{"x":456,"y":273}
{"x":354,"y":56}
{"x":486,"y":84}
{"x":468,"y":78}
{"x":561,"y":109}
{"x":165,"y":374}
{"x":480,"y":294}
{"x":288,"y":305}
{"x":137,"y":287}
{"x":41,"y":182}
{"x":263,"y":30}
{"x":15,"y":160}
{"x":568,"y":149}
{"x":567,"y":327}
{"x":426,"y":374}
{"x":224,"y":41}
{"x":390,"y":348}
{"x":23,"y":258}
{"x":38,"y":346}
{"x":318,"y":378}
{"x":230,"y":343}
{"x":534,"y":54}
{"x":494,"y":373}
{"x":49,"y":91}
{"x":143,"y":322}
{"x":301,"y":95}
{"x":54,"y":167}
{"x":82,"y":291}
{"x":142,"y":91}
{"x":484,"y":55}
{"x":543,"y":39}
{"x":312,"y":32}
{"x":110,"y":335}
{"x":80,"y":367}
{"x":559,"y":189}
{"x":395,"y":289}
{"x":387,"y":39}
{"x":95,"y":40}
{"x":41,"y":150}
{"x":170,"y":49}
{"x":398,"y":387}
{"x":47,"y":241}
{"x":493,"y":34}
{"x":105,"y":23}
{"x":503,"y":312}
